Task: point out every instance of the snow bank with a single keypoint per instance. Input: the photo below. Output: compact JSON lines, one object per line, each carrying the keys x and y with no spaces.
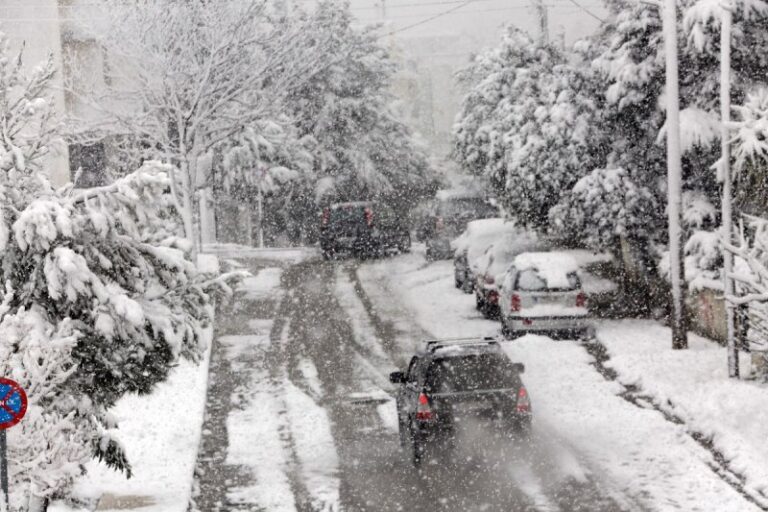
{"x":693,"y":384}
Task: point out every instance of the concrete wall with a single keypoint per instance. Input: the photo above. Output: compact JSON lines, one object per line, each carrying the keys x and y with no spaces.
{"x":35,"y":25}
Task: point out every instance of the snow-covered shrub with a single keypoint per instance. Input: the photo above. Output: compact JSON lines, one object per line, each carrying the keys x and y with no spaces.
{"x":602,"y":206}
{"x":750,"y":140}
{"x":751,"y":277}
{"x":100,"y":298}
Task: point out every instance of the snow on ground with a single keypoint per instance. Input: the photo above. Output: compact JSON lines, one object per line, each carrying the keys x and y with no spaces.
{"x":364,"y":331}
{"x":580,"y":419}
{"x":693,"y":385}
{"x":277,"y":433}
{"x":315,"y":450}
{"x":161,"y":435}
{"x":263,"y":285}
{"x":286,"y":255}
{"x":267,"y":459}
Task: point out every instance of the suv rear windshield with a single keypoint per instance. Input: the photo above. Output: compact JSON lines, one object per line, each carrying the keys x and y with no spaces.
{"x":471,"y":373}
{"x":348,"y":215}
{"x":530,"y":281}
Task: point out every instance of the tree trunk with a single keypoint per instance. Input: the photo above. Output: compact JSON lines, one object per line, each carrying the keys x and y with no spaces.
{"x":37,"y":504}
{"x":187,"y":213}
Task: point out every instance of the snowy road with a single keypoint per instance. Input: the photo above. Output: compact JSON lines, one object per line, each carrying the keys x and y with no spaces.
{"x":300,"y":415}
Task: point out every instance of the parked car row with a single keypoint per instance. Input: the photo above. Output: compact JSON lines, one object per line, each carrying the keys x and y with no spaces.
{"x":517,"y":278}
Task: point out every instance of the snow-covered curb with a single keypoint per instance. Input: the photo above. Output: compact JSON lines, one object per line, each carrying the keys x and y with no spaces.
{"x":693,"y":385}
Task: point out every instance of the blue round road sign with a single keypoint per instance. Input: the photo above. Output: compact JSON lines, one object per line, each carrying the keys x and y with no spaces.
{"x":13,"y":403}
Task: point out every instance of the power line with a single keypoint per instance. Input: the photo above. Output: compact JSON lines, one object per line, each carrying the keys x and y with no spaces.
{"x":577,"y":4}
{"x":427,"y":20}
{"x":561,"y":8}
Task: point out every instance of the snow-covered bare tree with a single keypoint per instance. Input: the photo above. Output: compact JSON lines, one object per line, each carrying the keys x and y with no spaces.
{"x":185,"y":76}
{"x":99,"y":297}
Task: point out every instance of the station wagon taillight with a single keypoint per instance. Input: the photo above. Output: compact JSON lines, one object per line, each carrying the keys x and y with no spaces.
{"x":423,"y":411}
{"x":523,"y":400}
{"x":326,"y":216}
{"x":515,"y":305}
{"x":368,"y":216}
{"x":581,"y":300}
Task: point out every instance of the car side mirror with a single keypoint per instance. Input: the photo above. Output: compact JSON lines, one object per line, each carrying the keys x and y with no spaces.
{"x":397,"y":378}
{"x":519,"y":367}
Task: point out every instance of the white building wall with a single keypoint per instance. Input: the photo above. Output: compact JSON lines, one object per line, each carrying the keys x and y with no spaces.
{"x":36,"y":25}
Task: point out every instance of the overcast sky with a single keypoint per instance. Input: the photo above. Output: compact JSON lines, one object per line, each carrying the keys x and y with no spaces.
{"x":481,"y":20}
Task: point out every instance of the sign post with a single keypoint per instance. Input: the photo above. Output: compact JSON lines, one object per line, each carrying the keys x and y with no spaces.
{"x":13,"y":406}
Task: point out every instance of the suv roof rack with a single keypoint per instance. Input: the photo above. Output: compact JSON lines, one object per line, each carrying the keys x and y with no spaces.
{"x":432,"y":345}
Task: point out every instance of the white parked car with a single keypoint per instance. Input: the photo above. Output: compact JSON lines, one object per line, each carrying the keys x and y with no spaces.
{"x":541,"y":292}
{"x":488,"y":269}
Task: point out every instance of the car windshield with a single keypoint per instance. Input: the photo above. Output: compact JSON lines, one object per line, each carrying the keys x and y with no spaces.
{"x":530,"y":280}
{"x":471,"y":373}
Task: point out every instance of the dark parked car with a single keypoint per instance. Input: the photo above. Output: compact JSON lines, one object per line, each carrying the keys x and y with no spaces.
{"x":362,"y":228}
{"x":449,"y":217}
{"x":452,"y":380}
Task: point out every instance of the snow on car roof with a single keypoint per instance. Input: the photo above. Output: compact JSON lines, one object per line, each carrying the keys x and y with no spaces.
{"x":553,"y":267}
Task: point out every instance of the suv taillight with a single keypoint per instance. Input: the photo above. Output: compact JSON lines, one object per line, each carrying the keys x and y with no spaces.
{"x":423,"y":412}
{"x":439,"y":224}
{"x":515,"y":304}
{"x":368,"y":217}
{"x":326,"y":216}
{"x":581,"y":300}
{"x":523,"y":400}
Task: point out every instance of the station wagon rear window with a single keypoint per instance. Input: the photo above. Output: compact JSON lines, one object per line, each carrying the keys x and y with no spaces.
{"x":529,"y":280}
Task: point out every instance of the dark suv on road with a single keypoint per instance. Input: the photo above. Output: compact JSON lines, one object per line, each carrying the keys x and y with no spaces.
{"x":363,"y":228}
{"x":454,"y":380}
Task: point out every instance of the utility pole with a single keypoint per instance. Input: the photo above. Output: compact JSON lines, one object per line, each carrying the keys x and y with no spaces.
{"x":674,"y":179}
{"x":725,"y":175}
{"x":541,"y":10}
{"x":679,"y":319}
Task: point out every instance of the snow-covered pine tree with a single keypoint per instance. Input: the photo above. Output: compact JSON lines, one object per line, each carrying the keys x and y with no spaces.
{"x":601,"y":207}
{"x":99,"y":297}
{"x":362,"y":151}
{"x":528,"y":124}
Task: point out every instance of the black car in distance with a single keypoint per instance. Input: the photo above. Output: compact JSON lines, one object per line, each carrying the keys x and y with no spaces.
{"x":362,"y":228}
{"x":451,"y":381}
